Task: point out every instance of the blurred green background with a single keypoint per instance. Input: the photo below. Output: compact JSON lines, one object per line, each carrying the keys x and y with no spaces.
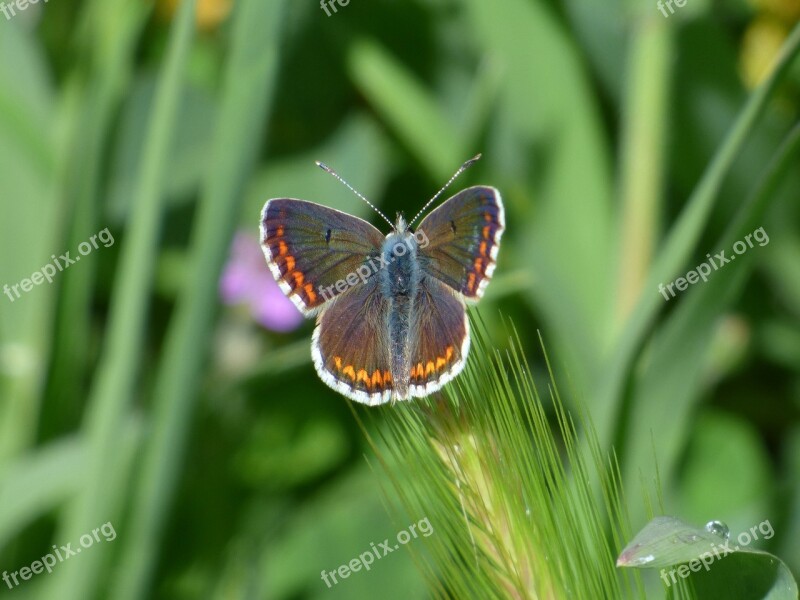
{"x":164,"y":385}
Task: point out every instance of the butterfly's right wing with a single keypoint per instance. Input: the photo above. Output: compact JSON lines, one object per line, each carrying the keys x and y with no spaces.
{"x":463,"y":236}
{"x":439,"y":340}
{"x":311,"y":248}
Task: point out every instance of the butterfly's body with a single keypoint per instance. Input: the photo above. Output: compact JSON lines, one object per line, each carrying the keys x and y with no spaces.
{"x":391,"y":314}
{"x":399,"y":283}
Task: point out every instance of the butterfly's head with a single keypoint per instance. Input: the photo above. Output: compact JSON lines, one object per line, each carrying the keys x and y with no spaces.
{"x":400,"y":224}
{"x":402,"y":233}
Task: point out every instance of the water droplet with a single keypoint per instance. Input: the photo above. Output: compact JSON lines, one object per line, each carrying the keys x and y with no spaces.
{"x":718,"y":528}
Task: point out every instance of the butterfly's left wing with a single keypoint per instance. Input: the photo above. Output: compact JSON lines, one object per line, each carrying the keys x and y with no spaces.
{"x":463,"y":238}
{"x":314,"y":252}
{"x":349,"y":347}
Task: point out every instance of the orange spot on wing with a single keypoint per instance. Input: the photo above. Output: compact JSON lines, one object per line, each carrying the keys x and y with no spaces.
{"x":419,"y":371}
{"x":387,"y":377}
{"x":430,"y":368}
{"x":448,"y":353}
{"x":482,"y":249}
{"x":350,"y":372}
{"x":312,"y":296}
{"x":298,"y":278}
{"x":478,"y":264}
{"x":279,"y":232}
{"x":363,"y":376}
{"x":283,"y":249}
{"x":338,"y":362}
{"x":440,"y":362}
{"x":290,"y":263}
{"x":376,"y":378}
{"x":486,"y":231}
{"x":471,"y":282}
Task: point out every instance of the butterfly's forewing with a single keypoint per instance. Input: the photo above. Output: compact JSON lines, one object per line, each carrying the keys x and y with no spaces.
{"x":310,"y":248}
{"x":463,"y":238}
{"x":349,"y":347}
{"x":440,"y":341}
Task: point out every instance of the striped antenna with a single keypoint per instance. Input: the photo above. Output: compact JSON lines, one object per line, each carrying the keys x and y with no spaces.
{"x":325,"y":167}
{"x":461,"y":169}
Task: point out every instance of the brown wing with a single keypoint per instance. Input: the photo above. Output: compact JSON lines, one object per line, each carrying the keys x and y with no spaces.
{"x":440,"y":341}
{"x":349,"y":347}
{"x":463,"y":238}
{"x":310,"y":248}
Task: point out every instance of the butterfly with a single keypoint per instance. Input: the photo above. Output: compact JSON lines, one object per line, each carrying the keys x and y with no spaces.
{"x":391,"y":319}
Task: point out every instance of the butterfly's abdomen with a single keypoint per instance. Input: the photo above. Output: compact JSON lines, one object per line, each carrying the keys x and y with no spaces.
{"x":399,"y":283}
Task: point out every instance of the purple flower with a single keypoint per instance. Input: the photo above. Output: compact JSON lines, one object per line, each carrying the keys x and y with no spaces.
{"x":246,"y":279}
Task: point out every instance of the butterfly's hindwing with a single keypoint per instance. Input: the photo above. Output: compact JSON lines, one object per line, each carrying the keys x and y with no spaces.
{"x":440,"y":339}
{"x":350,"y":347}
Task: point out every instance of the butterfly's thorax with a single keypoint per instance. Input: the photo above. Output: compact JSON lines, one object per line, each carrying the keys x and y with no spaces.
{"x":399,"y":284}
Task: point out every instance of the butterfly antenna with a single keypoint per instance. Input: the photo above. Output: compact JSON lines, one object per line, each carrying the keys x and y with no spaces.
{"x":461,"y":169}
{"x":326,"y":168}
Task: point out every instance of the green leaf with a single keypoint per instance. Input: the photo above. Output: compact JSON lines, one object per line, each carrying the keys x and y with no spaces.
{"x":115,"y":379}
{"x":718,"y":567}
{"x":36,"y":483}
{"x":249,"y":87}
{"x":551,"y":146}
{"x":667,"y":541}
{"x":188,"y":157}
{"x":670,"y":382}
{"x":28,"y":228}
{"x":676,"y":251}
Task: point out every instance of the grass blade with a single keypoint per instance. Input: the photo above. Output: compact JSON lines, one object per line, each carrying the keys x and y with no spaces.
{"x":249,"y":85}
{"x":115,"y":378}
